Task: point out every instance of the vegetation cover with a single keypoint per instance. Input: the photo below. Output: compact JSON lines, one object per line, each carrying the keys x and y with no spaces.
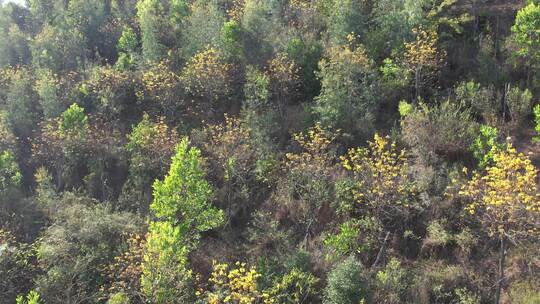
{"x":269,"y":151}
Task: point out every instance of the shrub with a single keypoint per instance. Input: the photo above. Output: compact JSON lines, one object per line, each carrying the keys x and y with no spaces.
{"x":391,"y":282}
{"x":445,"y":129}
{"x":347,"y":284}
{"x":519,"y":105}
{"x":536,"y":112}
{"x":296,"y":287}
{"x":484,"y":146}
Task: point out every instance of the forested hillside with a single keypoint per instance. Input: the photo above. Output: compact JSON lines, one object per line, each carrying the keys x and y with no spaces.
{"x":269,"y":151}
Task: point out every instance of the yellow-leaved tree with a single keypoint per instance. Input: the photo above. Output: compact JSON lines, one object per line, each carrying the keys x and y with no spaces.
{"x":383,"y":186}
{"x":506,"y":200}
{"x":423,"y":57}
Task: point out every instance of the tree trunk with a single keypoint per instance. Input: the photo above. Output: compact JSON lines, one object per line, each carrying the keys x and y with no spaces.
{"x":381,"y":251}
{"x":500,"y":279}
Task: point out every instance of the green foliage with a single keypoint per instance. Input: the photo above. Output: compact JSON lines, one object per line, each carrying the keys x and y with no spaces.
{"x":127,"y":47}
{"x":21,"y":104}
{"x":58,"y":49}
{"x":118,"y":298}
{"x":405,"y":108}
{"x":10,"y":175}
{"x":525,"y":33}
{"x":183,"y":196}
{"x":485,"y":145}
{"x":48,"y":88}
{"x":392,"y":282}
{"x":165,"y":276}
{"x":296,"y":287}
{"x":306,"y":53}
{"x":203,"y":27}
{"x":346,"y":18}
{"x":181,"y":202}
{"x":346,"y":241}
{"x":151,"y":15}
{"x":347,"y":284}
{"x":128,"y":41}
{"x":347,"y":90}
{"x":31,"y":298}
{"x":231,"y":35}
{"x":74,"y":121}
{"x":536,"y":112}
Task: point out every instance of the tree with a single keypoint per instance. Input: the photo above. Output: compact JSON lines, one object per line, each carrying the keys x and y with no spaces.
{"x":150,"y":147}
{"x":31,"y":298}
{"x":183,"y":211}
{"x":423,"y":58}
{"x":383,"y":185}
{"x":202,"y":28}
{"x":525,"y":34}
{"x":347,"y":284}
{"x":83,"y":239}
{"x":151,"y":16}
{"x":347,"y":96}
{"x":127,"y":47}
{"x":48,"y":88}
{"x":347,"y":17}
{"x":485,"y":145}
{"x":536,"y":112}
{"x":207,"y":77}
{"x":506,"y":200}
{"x":58,"y":48}
{"x":74,"y":121}
{"x":21,"y":104}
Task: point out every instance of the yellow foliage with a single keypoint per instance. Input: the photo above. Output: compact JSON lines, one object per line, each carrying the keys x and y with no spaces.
{"x":506,"y":196}
{"x":207,"y":74}
{"x":159,"y":82}
{"x":236,"y":10}
{"x":381,"y":172}
{"x":423,"y":51}
{"x":315,"y":156}
{"x":236,"y":285}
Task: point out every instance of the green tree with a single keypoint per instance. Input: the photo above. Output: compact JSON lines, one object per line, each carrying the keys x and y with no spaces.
{"x":58,"y":48}
{"x":84,"y":238}
{"x":48,"y":88}
{"x":31,"y":298}
{"x":525,"y":34}
{"x":347,"y":93}
{"x":347,"y":17}
{"x":202,"y":27}
{"x":151,"y":15}
{"x":347,"y":284}
{"x":127,"y":47}
{"x":181,"y":205}
{"x":74,"y":121}
{"x":485,"y":145}
{"x":21,"y":104}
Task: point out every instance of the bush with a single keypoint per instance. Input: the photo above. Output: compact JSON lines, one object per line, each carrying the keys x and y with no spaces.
{"x":536,"y":112}
{"x":391,"y":282}
{"x":347,"y":284}
{"x":296,"y":287}
{"x":446,"y":129}
{"x":483,"y":147}
{"x":519,"y":105}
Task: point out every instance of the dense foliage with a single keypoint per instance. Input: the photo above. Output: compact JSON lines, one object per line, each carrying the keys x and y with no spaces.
{"x":269,"y":151}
